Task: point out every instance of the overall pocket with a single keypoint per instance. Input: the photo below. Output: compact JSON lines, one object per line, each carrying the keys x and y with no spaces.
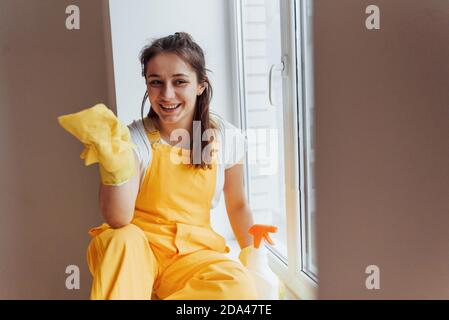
{"x":190,"y":238}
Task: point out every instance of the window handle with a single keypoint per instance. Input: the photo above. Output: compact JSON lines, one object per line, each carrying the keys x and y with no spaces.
{"x":273,"y":68}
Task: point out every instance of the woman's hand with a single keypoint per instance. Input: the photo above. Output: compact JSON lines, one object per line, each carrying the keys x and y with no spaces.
{"x":106,"y":141}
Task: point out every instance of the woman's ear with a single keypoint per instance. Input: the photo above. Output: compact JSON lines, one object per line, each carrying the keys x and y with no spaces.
{"x":202,"y":88}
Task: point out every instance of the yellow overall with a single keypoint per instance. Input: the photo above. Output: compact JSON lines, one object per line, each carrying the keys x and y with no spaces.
{"x":169,"y":251}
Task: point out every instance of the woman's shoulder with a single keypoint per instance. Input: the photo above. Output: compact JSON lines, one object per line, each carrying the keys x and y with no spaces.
{"x":138,"y":132}
{"x":227,"y":131}
{"x":232,"y":140}
{"x":141,"y":126}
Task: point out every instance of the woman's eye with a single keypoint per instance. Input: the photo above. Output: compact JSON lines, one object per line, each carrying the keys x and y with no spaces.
{"x":157,"y":82}
{"x":154,"y":82}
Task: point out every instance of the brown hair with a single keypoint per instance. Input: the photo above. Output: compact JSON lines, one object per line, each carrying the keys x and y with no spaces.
{"x":183,"y":46}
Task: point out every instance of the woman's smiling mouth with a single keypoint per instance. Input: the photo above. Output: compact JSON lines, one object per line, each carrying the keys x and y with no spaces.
{"x":169,"y":108}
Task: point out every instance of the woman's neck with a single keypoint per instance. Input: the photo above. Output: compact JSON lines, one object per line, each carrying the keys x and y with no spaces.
{"x":165,"y":130}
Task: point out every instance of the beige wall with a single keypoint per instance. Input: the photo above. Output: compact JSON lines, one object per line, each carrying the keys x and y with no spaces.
{"x":382,"y":161}
{"x":47,"y":199}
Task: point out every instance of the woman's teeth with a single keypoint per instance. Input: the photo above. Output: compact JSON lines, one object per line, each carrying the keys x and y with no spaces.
{"x":170,"y":107}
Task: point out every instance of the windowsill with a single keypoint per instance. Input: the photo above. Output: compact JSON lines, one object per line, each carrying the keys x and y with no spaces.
{"x":298,"y":286}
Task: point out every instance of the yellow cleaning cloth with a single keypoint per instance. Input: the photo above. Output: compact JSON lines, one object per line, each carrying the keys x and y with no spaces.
{"x":106,"y":141}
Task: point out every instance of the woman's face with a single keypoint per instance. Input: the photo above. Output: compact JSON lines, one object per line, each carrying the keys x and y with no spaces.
{"x":173,"y":88}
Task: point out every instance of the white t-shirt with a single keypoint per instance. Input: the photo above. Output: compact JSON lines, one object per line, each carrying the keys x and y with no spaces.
{"x":232,"y":148}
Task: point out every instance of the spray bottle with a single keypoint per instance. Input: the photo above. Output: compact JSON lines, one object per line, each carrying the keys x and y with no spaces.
{"x":255,"y":260}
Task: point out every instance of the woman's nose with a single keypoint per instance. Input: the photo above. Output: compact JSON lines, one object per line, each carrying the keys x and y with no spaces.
{"x":168,"y":91}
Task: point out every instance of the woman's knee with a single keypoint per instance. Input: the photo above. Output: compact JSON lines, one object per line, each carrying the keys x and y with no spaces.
{"x":124,"y":236}
{"x":121,"y":243}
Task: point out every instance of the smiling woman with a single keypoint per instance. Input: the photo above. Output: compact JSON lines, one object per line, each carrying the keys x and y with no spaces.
{"x":168,"y":249}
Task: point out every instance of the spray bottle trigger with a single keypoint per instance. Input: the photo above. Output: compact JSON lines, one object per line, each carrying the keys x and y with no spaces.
{"x":259,"y":231}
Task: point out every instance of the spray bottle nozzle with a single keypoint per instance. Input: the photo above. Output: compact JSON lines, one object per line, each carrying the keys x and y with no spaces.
{"x":259,"y":231}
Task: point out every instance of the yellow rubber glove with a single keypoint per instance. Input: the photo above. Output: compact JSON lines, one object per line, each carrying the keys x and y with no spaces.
{"x":259,"y":232}
{"x":106,"y":141}
{"x":245,"y":253}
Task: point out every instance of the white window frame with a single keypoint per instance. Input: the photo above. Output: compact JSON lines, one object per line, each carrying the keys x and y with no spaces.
{"x":298,"y":284}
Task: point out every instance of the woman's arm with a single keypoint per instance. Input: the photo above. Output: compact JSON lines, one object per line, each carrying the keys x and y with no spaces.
{"x":239,"y":213}
{"x":117,"y":202}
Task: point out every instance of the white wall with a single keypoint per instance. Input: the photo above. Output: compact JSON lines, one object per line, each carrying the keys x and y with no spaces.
{"x":134,"y":24}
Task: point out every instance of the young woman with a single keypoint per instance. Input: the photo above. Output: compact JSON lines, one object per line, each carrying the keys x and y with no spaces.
{"x":157,"y":239}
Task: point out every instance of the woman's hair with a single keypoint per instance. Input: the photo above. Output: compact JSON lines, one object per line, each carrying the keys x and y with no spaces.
{"x":183,"y":46}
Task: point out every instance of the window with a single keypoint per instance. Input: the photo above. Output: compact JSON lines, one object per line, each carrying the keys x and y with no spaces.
{"x":306,"y":120}
{"x":273,"y":55}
